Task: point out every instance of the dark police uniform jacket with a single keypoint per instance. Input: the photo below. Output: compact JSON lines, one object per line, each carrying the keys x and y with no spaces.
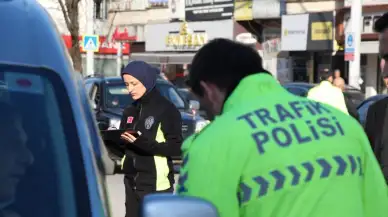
{"x":147,"y":163}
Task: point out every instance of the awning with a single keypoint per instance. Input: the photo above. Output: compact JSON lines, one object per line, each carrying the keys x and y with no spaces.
{"x":165,"y":58}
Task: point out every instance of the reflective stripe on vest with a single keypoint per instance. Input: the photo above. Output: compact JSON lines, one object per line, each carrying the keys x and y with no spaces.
{"x":161,"y":165}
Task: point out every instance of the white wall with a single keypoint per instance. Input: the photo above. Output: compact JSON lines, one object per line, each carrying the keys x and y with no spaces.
{"x":134,"y":15}
{"x":371,"y":75}
{"x":308,"y":7}
{"x":161,"y":15}
{"x":54,"y":9}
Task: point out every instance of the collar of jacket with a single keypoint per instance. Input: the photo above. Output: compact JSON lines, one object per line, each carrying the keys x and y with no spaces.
{"x":326,"y":84}
{"x":252,"y":87}
{"x":148,"y":97}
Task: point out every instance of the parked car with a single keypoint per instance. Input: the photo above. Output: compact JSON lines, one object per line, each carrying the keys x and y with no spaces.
{"x":362,"y":109}
{"x":192,"y":99}
{"x":109,"y":97}
{"x":301,"y":89}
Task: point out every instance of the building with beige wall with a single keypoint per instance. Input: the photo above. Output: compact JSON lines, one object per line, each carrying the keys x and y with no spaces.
{"x":301,"y":7}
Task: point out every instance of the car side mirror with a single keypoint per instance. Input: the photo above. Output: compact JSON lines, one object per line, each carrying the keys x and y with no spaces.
{"x":194,"y":104}
{"x":169,"y":205}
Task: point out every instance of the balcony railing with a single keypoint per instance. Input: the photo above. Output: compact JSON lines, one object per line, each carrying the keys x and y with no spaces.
{"x":120,"y":6}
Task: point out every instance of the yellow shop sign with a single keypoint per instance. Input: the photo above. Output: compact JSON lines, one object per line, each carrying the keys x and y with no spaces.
{"x":186,"y":38}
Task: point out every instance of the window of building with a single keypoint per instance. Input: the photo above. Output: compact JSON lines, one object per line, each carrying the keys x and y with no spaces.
{"x":100,"y":9}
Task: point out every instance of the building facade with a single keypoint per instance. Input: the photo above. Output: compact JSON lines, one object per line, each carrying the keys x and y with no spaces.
{"x":105,"y":58}
{"x":262,"y":19}
{"x":371,"y":81}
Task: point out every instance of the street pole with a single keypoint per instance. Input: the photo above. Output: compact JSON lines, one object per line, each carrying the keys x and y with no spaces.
{"x":89,"y":31}
{"x":119,"y":57}
{"x":355,"y":26}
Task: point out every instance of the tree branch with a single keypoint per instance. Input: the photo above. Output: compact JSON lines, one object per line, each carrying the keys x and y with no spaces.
{"x":65,"y":14}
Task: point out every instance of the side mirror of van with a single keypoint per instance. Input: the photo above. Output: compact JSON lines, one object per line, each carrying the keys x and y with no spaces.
{"x":169,"y":205}
{"x":94,"y":105}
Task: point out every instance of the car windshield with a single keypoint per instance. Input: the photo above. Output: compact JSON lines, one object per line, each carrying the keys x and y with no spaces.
{"x":117,"y":95}
{"x":40,"y":166}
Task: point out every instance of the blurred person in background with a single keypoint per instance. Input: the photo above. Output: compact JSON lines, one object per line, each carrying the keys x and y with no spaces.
{"x":337,"y":77}
{"x":351,"y":107}
{"x":376,"y":125}
{"x":326,"y":93}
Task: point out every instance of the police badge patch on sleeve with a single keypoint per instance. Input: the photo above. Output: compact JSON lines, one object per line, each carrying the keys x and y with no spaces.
{"x":149,"y":122}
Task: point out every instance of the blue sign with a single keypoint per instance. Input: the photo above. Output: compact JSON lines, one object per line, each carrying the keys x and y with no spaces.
{"x":350,"y":40}
{"x":349,"y":46}
{"x":90,"y":42}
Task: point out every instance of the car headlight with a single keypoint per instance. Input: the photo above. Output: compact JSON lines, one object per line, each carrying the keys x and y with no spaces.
{"x":200,"y":125}
{"x":114,"y":124}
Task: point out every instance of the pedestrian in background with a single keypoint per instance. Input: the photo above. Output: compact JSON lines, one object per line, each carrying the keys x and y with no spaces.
{"x":376,"y":125}
{"x":337,"y":77}
{"x":350,"y":106}
{"x":147,"y":164}
{"x":326,"y":93}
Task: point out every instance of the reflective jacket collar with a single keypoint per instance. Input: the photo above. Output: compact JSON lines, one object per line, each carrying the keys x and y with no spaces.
{"x":255,"y":85}
{"x":326,"y":84}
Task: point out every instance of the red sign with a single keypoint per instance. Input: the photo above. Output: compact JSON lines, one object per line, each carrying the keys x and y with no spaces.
{"x":105,"y":46}
{"x":123,"y":36}
{"x":349,"y":56}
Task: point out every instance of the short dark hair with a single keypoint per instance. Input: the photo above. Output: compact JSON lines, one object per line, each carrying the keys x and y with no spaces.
{"x":224,"y":63}
{"x":382,"y":23}
{"x":326,"y":74}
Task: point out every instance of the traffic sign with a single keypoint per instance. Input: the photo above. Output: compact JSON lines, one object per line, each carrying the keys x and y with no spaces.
{"x":349,"y":46}
{"x":90,"y":43}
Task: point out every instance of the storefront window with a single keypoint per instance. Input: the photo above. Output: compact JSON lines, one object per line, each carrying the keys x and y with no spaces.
{"x":300,"y":66}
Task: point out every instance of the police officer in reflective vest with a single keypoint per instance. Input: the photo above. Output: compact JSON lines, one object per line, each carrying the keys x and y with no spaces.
{"x":270,"y":153}
{"x":157,"y":122}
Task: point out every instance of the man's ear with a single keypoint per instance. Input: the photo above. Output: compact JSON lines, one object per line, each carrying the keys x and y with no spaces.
{"x":207,"y":89}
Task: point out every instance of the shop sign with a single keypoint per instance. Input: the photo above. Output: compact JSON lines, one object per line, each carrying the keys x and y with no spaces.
{"x":243,"y":10}
{"x":185,"y":38}
{"x":321,"y":31}
{"x":105,"y":47}
{"x":268,"y":9}
{"x":246,"y":38}
{"x":348,"y":3}
{"x":205,"y":10}
{"x":294,"y":32}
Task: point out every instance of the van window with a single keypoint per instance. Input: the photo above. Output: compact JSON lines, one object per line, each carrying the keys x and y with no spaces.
{"x":41,"y":171}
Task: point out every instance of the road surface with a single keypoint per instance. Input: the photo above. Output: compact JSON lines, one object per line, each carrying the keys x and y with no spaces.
{"x":117,"y":194}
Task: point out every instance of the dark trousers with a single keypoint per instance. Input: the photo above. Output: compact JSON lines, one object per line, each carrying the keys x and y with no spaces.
{"x":134,"y":198}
